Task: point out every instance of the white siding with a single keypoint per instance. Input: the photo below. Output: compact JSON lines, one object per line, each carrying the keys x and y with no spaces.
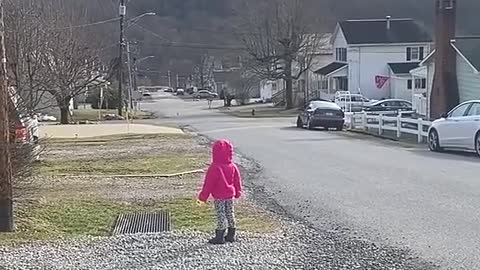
{"x":369,"y":61}
{"x":399,"y":88}
{"x":339,"y":40}
{"x":468,"y":81}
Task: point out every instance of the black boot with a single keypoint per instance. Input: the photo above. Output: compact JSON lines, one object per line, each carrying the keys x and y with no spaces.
{"x":219,"y":238}
{"x":230,"y":235}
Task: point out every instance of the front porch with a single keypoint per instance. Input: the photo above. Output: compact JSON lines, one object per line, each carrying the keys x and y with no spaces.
{"x":330,"y":79}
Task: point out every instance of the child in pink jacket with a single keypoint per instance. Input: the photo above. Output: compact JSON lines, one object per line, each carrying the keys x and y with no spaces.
{"x":224,"y":183}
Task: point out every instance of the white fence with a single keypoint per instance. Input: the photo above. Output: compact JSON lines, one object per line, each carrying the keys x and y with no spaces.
{"x":420,"y":104}
{"x":384,"y":121}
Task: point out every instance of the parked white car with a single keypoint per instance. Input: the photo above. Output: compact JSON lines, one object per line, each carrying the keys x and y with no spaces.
{"x":46,"y":118}
{"x":458,"y":129}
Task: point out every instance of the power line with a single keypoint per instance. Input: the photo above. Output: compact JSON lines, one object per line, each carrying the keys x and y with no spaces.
{"x":194,"y":46}
{"x":151,"y":32}
{"x":86,"y":25}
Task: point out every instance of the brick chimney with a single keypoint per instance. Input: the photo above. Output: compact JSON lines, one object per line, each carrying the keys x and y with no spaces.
{"x":445,"y":94}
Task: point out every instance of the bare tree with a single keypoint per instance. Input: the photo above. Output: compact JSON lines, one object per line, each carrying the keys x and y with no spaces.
{"x":243,"y":84}
{"x":278,"y":37}
{"x":70,"y":58}
{"x":204,"y":70}
{"x":26,"y":41}
{"x":51,"y":56}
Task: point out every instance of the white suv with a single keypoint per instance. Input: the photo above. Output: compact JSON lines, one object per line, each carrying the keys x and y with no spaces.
{"x":458,"y":129}
{"x":351,"y":102}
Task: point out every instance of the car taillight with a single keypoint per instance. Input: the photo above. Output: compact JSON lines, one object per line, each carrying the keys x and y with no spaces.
{"x":21,"y":135}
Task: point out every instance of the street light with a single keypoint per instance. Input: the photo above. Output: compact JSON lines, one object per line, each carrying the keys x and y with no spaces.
{"x":137,"y":61}
{"x":135,"y":19}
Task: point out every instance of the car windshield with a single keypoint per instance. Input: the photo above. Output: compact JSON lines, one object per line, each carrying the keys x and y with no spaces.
{"x":323,"y":104}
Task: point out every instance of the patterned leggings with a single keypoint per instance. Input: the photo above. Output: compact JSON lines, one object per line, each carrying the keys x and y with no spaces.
{"x":225,"y":214}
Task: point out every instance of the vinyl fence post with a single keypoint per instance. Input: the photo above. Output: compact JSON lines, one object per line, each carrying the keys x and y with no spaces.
{"x":399,"y":125}
{"x":420,"y":130}
{"x":364,"y":120}
{"x":352,"y":120}
{"x":380,"y":124}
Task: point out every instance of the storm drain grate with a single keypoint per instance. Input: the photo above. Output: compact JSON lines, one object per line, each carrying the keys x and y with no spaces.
{"x":142,"y":223}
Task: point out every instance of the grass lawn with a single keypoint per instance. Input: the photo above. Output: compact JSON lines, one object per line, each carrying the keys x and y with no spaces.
{"x":60,"y":219}
{"x":126,"y":166}
{"x":66,"y":201}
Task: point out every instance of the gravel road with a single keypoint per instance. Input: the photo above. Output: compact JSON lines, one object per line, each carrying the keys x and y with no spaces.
{"x":294,"y":247}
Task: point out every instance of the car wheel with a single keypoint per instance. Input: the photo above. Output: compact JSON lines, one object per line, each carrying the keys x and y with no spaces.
{"x":434,"y":141}
{"x":299,"y":122}
{"x":340,"y":128}
{"x":309,"y":125}
{"x":477,"y":143}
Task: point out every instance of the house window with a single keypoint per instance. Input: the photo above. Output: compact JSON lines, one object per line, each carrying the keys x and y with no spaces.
{"x":419,"y":84}
{"x":274,"y":87}
{"x":341,"y":54}
{"x":323,"y":83}
{"x":415,"y":53}
{"x":343,"y":83}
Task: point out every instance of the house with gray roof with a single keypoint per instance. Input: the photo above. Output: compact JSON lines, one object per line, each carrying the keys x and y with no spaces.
{"x":467,"y":61}
{"x":374,"y":58}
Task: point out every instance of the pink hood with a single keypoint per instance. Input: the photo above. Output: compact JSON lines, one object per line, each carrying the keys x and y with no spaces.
{"x":222,"y":152}
{"x":223,"y":180}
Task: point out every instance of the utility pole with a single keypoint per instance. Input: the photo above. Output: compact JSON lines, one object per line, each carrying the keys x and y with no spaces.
{"x":123,"y":13}
{"x":135,"y":78}
{"x":6,"y":190}
{"x":178,"y":81}
{"x":130,"y":80}
{"x":169,"y":79}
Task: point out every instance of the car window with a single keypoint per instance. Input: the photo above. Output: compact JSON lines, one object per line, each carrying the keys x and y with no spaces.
{"x":460,"y":111}
{"x":405,"y":104}
{"x":390,"y":104}
{"x":474,"y":110}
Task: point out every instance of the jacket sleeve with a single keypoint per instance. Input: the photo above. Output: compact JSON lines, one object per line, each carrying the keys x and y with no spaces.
{"x":208,"y":184}
{"x":237,"y":182}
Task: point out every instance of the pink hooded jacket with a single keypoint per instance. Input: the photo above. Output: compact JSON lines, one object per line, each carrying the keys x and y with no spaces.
{"x":223,"y":180}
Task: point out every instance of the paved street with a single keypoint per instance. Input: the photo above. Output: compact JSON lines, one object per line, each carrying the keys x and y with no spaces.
{"x":399,"y":196}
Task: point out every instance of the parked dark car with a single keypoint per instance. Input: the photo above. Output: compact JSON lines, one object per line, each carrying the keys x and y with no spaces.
{"x":321,"y":114}
{"x":190,"y":90}
{"x":318,"y":99}
{"x":389,"y":105}
{"x":168,"y":90}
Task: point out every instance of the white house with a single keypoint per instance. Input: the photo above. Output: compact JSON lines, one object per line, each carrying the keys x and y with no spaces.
{"x":374,"y":58}
{"x":467,"y":51}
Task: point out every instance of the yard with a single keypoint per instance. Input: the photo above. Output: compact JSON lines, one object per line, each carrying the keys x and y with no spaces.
{"x":82,"y":185}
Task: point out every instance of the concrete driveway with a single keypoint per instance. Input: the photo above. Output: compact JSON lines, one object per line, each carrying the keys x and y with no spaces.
{"x":401,"y":196}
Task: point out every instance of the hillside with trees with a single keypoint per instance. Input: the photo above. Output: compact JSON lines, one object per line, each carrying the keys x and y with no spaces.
{"x":184,"y":31}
